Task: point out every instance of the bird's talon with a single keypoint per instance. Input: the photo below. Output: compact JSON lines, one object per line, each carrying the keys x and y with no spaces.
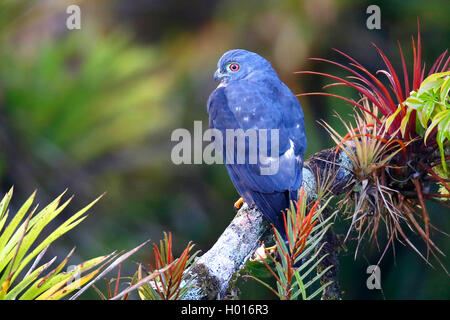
{"x":239,"y":203}
{"x":261,"y":252}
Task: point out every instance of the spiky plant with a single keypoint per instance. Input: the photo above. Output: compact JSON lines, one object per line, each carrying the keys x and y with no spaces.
{"x":171,"y":282}
{"x":304,"y":234}
{"x":398,"y":148}
{"x":20,"y":248}
{"x":367,"y":146}
{"x":109,"y":283}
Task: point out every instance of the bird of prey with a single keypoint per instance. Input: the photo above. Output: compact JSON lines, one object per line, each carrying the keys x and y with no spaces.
{"x":251,"y":96}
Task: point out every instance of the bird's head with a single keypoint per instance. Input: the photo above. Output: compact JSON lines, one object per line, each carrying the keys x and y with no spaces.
{"x":240,"y":64}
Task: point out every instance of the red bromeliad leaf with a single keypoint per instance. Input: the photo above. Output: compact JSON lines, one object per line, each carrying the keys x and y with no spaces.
{"x":302,"y":226}
{"x":167,"y":283}
{"x":299,"y":224}
{"x":371,"y":87}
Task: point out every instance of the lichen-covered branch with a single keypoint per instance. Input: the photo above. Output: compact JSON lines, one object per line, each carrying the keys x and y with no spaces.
{"x":215,"y":270}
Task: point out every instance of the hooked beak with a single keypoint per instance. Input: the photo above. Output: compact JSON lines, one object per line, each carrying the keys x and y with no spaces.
{"x":218,"y":75}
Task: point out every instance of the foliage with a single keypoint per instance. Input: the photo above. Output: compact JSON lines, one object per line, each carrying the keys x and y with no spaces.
{"x":90,"y":109}
{"x":373,"y":89}
{"x":97,"y":79}
{"x":299,"y":255}
{"x":431,"y":104}
{"x":393,"y":146}
{"x":371,"y":151}
{"x":367,"y":143}
{"x":109,"y":282}
{"x":399,"y":106}
{"x":172,"y":284}
{"x":19,"y":245}
{"x":116,"y":263}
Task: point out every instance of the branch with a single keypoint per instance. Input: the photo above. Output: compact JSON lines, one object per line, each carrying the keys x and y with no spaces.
{"x":214,"y":272}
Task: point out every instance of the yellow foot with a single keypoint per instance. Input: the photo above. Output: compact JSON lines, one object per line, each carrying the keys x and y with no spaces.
{"x":261,"y":253}
{"x":239,"y":203}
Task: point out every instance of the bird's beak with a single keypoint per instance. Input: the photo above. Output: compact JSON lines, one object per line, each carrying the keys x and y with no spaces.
{"x":218,"y":75}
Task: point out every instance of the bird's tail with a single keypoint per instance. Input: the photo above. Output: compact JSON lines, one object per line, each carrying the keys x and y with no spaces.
{"x":273,"y":206}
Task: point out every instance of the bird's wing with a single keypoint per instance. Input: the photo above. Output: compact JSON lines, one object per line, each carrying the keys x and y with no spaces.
{"x":250,"y":106}
{"x":293,"y":118}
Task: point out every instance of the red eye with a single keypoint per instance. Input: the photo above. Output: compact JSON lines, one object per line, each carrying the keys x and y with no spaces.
{"x":234,"y":67}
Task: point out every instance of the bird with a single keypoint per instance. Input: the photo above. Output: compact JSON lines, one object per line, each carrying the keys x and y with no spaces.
{"x":250,"y":95}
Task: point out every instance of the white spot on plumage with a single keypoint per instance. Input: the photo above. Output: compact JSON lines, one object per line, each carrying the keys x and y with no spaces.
{"x":290,"y":152}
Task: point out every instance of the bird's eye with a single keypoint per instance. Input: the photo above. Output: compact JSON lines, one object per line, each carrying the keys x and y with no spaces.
{"x":233,"y":66}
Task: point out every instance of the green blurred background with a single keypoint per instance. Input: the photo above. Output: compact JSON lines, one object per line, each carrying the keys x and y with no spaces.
{"x":92,"y":110}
